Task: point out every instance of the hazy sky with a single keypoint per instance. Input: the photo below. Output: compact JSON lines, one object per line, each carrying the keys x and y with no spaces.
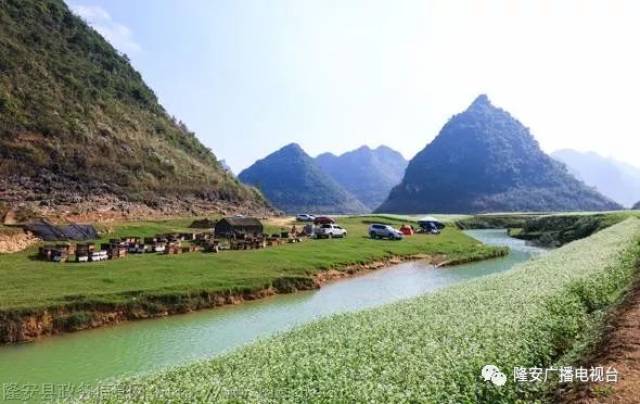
{"x":249,"y":76}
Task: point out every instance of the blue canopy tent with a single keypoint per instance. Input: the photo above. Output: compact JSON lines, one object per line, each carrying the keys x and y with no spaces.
{"x":430,"y":224}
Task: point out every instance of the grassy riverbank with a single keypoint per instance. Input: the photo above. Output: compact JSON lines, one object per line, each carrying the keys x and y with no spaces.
{"x":427,"y":349}
{"x":551,"y":230}
{"x":558,"y":229}
{"x":66,"y":296}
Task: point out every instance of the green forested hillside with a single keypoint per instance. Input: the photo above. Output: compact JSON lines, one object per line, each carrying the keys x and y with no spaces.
{"x":292,"y":181}
{"x":484,"y":160}
{"x":77,"y":120}
{"x":368,"y":174}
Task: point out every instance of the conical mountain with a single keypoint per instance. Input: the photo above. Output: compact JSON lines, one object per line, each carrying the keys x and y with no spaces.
{"x":369,"y":174}
{"x":484,"y":160}
{"x":292,"y":181}
{"x":80,"y":129}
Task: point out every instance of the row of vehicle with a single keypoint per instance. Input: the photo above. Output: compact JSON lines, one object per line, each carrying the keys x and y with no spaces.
{"x":385,"y":231}
{"x":376,"y":231}
{"x":327,"y":228}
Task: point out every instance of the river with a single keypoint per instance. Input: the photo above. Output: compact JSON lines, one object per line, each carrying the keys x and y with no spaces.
{"x":144,"y":346}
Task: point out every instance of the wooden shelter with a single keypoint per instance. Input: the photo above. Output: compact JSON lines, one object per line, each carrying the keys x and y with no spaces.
{"x":236,"y":226}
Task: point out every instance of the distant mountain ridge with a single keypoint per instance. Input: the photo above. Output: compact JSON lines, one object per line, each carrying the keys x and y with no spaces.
{"x":485,"y":160}
{"x":80,"y":129}
{"x":292,"y":181}
{"x":617,"y":180}
{"x":368,"y":174}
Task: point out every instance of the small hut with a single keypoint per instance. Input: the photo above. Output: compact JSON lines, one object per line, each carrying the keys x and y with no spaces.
{"x":238,"y":226}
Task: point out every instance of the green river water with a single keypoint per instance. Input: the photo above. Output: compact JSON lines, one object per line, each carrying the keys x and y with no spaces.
{"x":145,"y":346}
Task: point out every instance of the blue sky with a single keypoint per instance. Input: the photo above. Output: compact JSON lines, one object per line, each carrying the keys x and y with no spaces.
{"x":249,"y":76}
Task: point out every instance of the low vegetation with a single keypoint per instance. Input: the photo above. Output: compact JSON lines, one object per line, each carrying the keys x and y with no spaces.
{"x":427,"y":349}
{"x":551,"y":230}
{"x":495,"y":221}
{"x":161,"y":281}
{"x":10,"y":231}
{"x":556,"y":230}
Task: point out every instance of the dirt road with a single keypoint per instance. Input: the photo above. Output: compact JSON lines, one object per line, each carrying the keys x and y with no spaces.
{"x":619,"y":349}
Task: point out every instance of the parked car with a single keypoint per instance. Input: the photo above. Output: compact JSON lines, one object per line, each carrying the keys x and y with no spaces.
{"x":304,"y":217}
{"x":323,"y":220}
{"x":330,"y":231}
{"x":384,"y":231}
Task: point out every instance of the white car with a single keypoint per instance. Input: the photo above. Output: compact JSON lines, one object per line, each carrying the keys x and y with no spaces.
{"x":304,"y":217}
{"x":330,"y":231}
{"x":384,"y":231}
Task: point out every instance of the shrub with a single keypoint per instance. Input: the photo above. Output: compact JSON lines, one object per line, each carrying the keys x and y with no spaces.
{"x":73,"y":321}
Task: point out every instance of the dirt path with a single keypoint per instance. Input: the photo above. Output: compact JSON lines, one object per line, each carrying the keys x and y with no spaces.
{"x":620,"y":349}
{"x":285,"y":221}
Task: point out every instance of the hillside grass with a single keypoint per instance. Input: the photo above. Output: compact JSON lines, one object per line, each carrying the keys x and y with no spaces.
{"x":75,"y":116}
{"x":29,"y":283}
{"x":426,"y":349}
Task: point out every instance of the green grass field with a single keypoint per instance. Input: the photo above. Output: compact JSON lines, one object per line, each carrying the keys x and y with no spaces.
{"x":430,"y":349}
{"x":28,"y":283}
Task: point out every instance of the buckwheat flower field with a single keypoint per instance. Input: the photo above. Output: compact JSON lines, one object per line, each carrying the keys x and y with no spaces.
{"x":427,"y":349}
